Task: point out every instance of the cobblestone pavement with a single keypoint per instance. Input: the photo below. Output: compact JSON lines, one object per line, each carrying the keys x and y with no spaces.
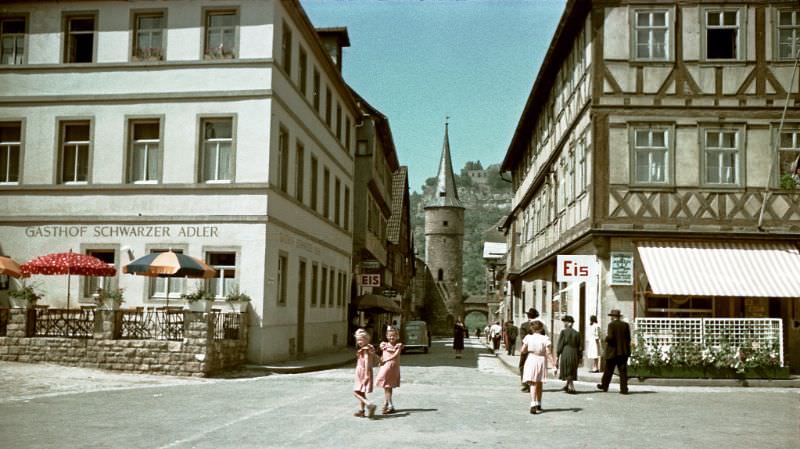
{"x":443,"y":402}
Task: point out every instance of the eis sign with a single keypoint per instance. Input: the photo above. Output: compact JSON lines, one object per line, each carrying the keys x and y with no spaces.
{"x":573,"y":268}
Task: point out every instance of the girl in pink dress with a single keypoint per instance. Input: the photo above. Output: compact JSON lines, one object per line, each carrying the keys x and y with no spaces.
{"x":537,"y":346}
{"x":389,"y":374}
{"x":363,"y":384}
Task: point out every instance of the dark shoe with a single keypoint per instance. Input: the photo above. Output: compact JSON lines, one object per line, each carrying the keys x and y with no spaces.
{"x":600,"y":387}
{"x":623,"y":392}
{"x":537,"y":410}
{"x":525,"y":389}
{"x":359,"y":414}
{"x":533,"y":410}
{"x":565,"y":388}
{"x":572,"y":391}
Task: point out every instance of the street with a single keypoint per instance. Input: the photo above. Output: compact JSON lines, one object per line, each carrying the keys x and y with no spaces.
{"x":443,"y":402}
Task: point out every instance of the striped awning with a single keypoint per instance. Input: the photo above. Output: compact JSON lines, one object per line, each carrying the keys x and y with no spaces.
{"x":722,"y":268}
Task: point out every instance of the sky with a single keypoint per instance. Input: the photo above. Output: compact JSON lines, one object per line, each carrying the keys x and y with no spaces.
{"x":419,"y":61}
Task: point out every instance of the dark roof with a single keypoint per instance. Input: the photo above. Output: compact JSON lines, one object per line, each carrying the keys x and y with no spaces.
{"x":342,"y":38}
{"x":445,"y":194}
{"x":384,"y":131}
{"x":570,"y":24}
{"x":399,"y":195}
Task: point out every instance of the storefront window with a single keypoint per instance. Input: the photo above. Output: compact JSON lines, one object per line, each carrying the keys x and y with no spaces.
{"x":224,"y":283}
{"x":93,"y":283}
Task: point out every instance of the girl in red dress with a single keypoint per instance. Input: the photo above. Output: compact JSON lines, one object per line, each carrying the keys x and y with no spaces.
{"x":389,"y":374}
{"x":363,"y":384}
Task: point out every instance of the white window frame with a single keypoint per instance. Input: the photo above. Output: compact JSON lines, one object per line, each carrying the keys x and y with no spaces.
{"x":79,"y":146}
{"x":9,"y":149}
{"x":651,"y":30}
{"x":720,"y":151}
{"x":69,"y":42}
{"x":213,"y":144}
{"x":740,"y":27}
{"x":151,"y":52}
{"x":157,"y":287}
{"x":92,"y":283}
{"x":220,"y":52}
{"x":18,"y":41}
{"x":225,"y":285}
{"x":793,"y":153}
{"x":150,"y":146}
{"x":650,"y":151}
{"x":793,"y":29}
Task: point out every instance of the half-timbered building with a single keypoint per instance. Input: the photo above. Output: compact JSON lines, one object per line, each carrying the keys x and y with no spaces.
{"x":663,"y":137}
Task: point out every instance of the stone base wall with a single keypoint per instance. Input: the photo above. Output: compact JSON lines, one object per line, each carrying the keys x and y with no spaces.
{"x":198,"y":354}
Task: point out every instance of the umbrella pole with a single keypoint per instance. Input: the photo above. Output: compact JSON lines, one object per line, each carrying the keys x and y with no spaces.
{"x":69,"y":276}
{"x":167,"y":292}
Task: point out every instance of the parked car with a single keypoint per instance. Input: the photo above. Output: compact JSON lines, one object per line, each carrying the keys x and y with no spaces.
{"x":415,"y":335}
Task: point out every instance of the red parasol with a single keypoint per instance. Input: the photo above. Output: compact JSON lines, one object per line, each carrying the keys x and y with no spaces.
{"x":68,"y":263}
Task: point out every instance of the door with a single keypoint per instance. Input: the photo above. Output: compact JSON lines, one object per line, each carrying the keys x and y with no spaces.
{"x":301,"y":308}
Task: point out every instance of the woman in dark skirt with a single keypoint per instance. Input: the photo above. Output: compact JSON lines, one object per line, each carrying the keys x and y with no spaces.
{"x":568,"y":350}
{"x":459,"y":332}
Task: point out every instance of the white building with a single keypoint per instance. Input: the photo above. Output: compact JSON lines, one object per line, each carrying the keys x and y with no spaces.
{"x":221,"y":128}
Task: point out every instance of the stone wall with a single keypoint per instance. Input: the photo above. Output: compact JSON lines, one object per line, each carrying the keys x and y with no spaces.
{"x":198,"y":354}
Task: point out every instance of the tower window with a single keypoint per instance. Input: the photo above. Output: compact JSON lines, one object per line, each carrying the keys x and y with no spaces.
{"x":442,"y":194}
{"x":440,"y":275}
{"x":444,"y":223}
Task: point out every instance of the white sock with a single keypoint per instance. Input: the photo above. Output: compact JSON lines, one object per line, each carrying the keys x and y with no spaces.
{"x":534,"y":404}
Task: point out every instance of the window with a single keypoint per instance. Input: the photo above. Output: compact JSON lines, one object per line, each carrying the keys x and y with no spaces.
{"x":722,"y":34}
{"x":281,"y":281}
{"x":299,"y":171}
{"x":75,"y":144}
{"x":326,"y":193}
{"x":445,"y":223}
{"x":789,"y":158}
{"x":303,"y":72}
{"x":324,"y":284}
{"x":328,"y":105}
{"x":221,"y":34}
{"x":340,"y":297}
{"x":217,"y":150}
{"x":347,"y":141}
{"x":337,"y":202}
{"x":338,"y":122}
{"x":286,"y":50}
{"x":301,"y":282}
{"x":346,"y":208}
{"x":148,"y":37}
{"x":314,"y":282}
{"x":10,"y":149}
{"x":12,"y":40}
{"x":651,"y":156}
{"x":722,"y":157}
{"x":788,"y":34}
{"x":314,"y":182}
{"x":283,"y":160}
{"x":651,"y":34}
{"x":362,"y":149}
{"x":80,"y":39}
{"x":580,"y":171}
{"x":224,"y":282}
{"x":92,"y":283}
{"x":158,"y":286}
{"x":145,"y":154}
{"x":440,"y":275}
{"x":316,"y":94}
{"x":331,"y":289}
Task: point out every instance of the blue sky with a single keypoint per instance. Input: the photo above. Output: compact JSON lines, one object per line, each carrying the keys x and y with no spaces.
{"x":419,"y":61}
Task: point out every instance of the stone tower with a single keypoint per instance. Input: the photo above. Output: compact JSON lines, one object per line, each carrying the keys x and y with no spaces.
{"x":444,"y":242}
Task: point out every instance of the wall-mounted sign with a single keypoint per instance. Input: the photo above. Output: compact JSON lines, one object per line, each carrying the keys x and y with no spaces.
{"x":369,"y":280}
{"x":389,"y":292}
{"x":575,"y":268}
{"x":370,"y":264}
{"x":621,"y":268}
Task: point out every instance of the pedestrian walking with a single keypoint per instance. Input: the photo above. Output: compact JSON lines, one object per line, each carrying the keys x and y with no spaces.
{"x":511,"y":338}
{"x":459,"y":332}
{"x":495,"y":332}
{"x":537,"y":346}
{"x":593,"y":344}
{"x":618,"y":349}
{"x":568,"y":350}
{"x":389,"y":372}
{"x":477,"y":332}
{"x":525,"y":329}
{"x":363,"y":384}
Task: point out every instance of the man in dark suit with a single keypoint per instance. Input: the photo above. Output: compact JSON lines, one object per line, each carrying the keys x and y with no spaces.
{"x":618,"y":349}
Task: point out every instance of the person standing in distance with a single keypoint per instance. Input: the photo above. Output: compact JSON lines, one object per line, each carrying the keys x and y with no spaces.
{"x":618,"y":349}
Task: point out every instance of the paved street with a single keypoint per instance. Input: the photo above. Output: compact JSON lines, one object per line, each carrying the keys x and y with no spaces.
{"x":442,"y":403}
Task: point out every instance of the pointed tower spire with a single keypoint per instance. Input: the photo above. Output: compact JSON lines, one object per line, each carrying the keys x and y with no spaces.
{"x":446,"y":194}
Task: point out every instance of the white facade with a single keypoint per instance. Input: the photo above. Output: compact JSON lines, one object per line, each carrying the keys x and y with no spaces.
{"x":178,"y":145}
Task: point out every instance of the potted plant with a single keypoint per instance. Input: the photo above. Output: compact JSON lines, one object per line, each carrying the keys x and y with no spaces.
{"x":109,"y":299}
{"x":23,"y":297}
{"x":200,"y":300}
{"x":238,"y":300}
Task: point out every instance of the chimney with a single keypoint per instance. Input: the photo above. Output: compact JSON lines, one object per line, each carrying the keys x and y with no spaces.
{"x":333,"y":40}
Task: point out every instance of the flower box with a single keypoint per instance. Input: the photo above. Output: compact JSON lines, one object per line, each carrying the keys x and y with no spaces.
{"x":200,"y":305}
{"x":697,"y":372}
{"x":21,"y":303}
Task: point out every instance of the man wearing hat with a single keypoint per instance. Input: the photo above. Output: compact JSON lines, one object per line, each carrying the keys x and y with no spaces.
{"x":618,"y":349}
{"x":525,"y":329}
